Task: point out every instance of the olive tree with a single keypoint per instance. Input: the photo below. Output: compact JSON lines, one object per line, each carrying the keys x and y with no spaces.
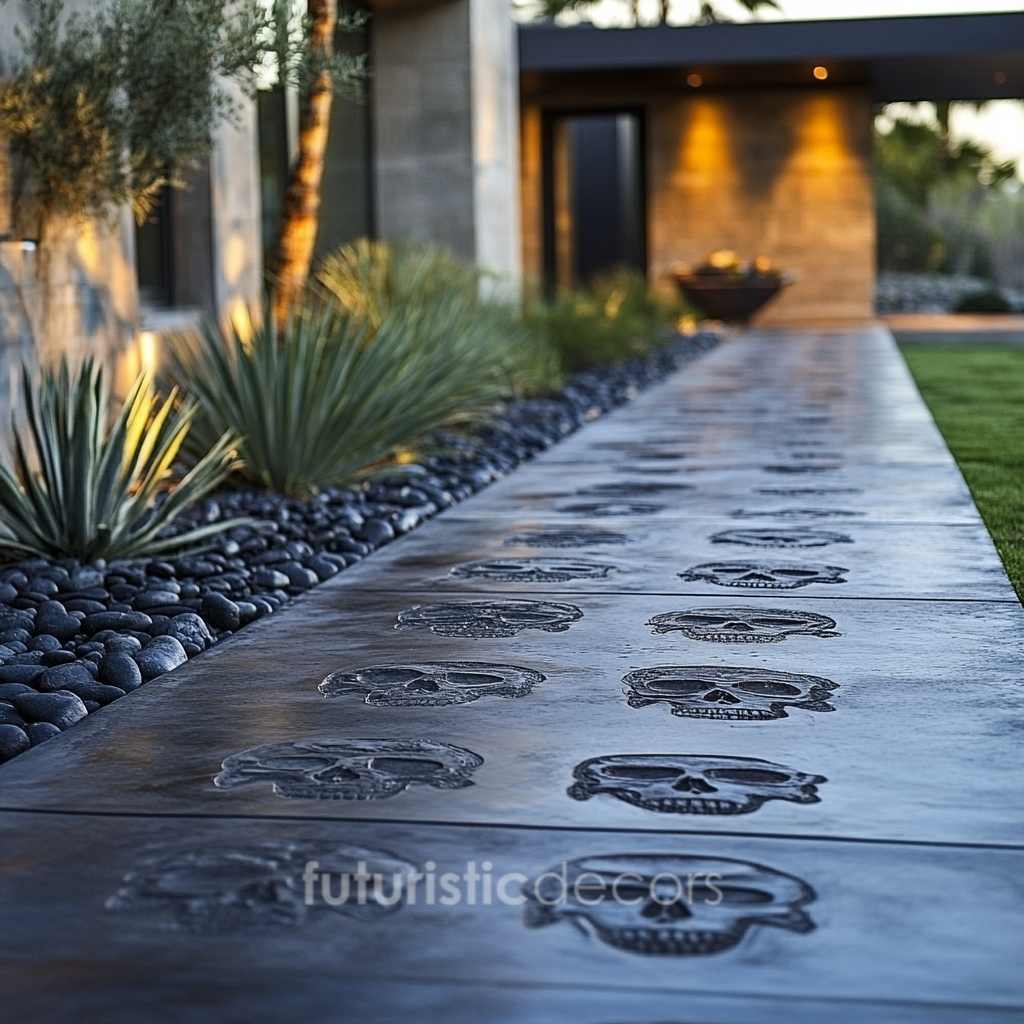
{"x":700,"y":12}
{"x":105,"y":109}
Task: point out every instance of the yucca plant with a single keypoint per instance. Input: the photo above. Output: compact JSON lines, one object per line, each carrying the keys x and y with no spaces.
{"x":328,"y":396}
{"x":85,"y":484}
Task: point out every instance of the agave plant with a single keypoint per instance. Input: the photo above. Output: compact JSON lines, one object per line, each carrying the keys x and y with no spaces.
{"x":330,"y":395}
{"x":84,"y":486}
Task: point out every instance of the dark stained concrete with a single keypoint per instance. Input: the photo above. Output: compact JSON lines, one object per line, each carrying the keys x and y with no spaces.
{"x":870,"y":922}
{"x":846,"y":754}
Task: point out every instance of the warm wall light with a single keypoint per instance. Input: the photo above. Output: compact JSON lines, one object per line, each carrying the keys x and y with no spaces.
{"x":147,"y":352}
{"x":820,"y":73}
{"x":694,"y":81}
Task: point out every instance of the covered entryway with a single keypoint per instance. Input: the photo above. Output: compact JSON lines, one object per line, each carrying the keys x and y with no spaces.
{"x":755,"y":138}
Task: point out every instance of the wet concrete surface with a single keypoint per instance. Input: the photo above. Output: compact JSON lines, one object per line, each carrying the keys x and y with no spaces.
{"x":795,"y":679}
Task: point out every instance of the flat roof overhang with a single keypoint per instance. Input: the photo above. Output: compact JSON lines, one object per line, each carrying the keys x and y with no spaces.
{"x":949,"y":57}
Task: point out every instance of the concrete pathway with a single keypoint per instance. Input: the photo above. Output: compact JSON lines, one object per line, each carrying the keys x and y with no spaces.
{"x":746,"y":636}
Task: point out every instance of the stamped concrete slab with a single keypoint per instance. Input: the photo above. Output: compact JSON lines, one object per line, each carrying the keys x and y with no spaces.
{"x":736,"y":439}
{"x":737,"y":436}
{"x":283,"y":991}
{"x":842,"y":756}
{"x":203,"y":903}
{"x":752,"y":394}
{"x":606,"y":724}
{"x":898,"y":493}
{"x":692,"y":556}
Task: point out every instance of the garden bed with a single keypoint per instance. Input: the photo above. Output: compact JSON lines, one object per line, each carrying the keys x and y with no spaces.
{"x":74,"y":637}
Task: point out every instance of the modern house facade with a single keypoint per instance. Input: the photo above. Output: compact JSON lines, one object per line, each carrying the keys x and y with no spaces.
{"x":751,"y":137}
{"x":430,"y":152}
{"x":545,"y":154}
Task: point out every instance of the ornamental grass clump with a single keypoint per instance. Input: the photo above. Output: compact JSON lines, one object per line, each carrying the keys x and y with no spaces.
{"x":616,"y":318}
{"x":370,"y":279}
{"x":330,"y":395}
{"x":87,"y":484}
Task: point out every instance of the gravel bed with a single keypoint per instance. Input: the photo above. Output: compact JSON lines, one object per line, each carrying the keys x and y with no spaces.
{"x":931,"y":293}
{"x":76,"y":637}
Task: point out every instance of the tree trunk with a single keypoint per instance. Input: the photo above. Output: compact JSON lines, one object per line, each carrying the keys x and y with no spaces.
{"x":294,"y":254}
{"x":663,"y":9}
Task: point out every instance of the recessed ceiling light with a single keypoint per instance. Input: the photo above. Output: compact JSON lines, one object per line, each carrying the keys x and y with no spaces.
{"x":694,"y":81}
{"x":820,"y":72}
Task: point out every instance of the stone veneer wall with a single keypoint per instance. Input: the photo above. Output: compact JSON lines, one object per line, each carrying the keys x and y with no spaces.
{"x":785,"y":174}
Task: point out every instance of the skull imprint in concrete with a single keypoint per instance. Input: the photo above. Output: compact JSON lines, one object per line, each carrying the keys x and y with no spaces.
{"x":533,"y":570}
{"x":223,"y":889}
{"x":431,"y":683}
{"x":803,"y":467}
{"x":489,"y":618}
{"x":652,"y":453}
{"x":773,"y":575}
{"x":693,"y":783}
{"x":645,"y":469}
{"x":667,"y":904}
{"x":628,"y":488}
{"x":807,"y":492}
{"x":654,"y":444}
{"x":743,"y":625}
{"x":797,"y":513}
{"x":568,"y":537}
{"x":609,"y":509}
{"x":795,"y":537}
{"x":344,"y":769}
{"x":817,"y":455}
{"x":726,"y":694}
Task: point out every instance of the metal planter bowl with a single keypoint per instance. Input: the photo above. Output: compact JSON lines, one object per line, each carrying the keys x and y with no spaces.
{"x":733,"y":300}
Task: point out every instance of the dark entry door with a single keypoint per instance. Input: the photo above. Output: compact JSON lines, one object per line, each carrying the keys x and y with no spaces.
{"x":594,"y":196}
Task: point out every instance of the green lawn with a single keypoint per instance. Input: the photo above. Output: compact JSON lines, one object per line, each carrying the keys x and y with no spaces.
{"x":976,"y":394}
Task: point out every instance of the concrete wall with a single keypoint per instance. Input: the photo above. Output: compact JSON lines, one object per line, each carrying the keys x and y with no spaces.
{"x":495,"y":82}
{"x":445,"y":91}
{"x":783,"y":174}
{"x":236,"y":226}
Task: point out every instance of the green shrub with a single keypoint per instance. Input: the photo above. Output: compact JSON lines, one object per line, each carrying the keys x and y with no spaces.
{"x":906,"y":240}
{"x":84,"y":488}
{"x":985,"y":300}
{"x":616,"y":319}
{"x":369,"y":279}
{"x":330,"y":397}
